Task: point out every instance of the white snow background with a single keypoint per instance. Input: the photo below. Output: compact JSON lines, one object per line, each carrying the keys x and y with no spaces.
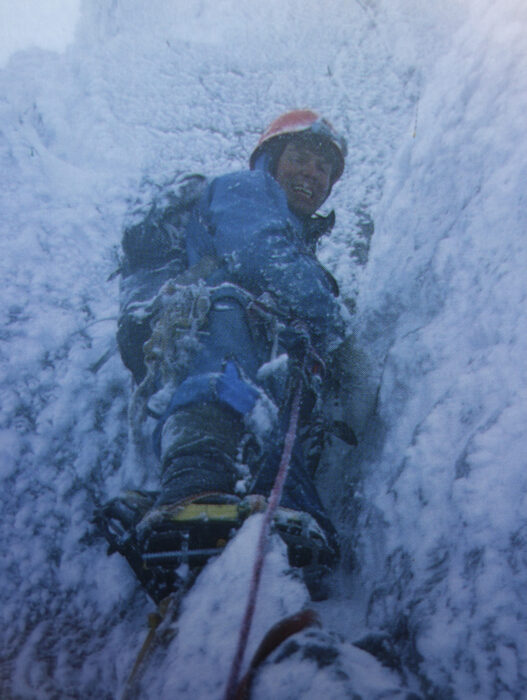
{"x":433,"y":100}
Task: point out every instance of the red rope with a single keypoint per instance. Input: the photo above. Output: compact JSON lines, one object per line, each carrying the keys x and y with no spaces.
{"x":272,"y":505}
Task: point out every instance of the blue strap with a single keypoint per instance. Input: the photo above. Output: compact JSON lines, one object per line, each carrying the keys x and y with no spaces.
{"x":229,"y":388}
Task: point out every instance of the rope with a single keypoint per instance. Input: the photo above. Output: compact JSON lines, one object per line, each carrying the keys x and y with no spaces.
{"x":274,"y":500}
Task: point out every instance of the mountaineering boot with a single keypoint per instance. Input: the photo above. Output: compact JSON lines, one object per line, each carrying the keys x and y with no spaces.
{"x":308,"y":548}
{"x":301,"y":521}
{"x":117,"y":521}
{"x":168,"y":536}
{"x":167,"y":546}
{"x":199,"y":446}
{"x":118,"y":518}
{"x":196,"y":511}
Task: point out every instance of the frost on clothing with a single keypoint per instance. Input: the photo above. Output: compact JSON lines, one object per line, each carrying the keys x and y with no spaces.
{"x":153,"y":252}
{"x":243,"y":223}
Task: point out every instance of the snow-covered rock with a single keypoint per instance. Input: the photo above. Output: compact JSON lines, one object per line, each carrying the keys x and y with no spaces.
{"x":442,"y":310}
{"x":431,"y":504}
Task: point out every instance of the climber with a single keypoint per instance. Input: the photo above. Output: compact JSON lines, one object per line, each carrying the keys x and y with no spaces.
{"x":270,"y":313}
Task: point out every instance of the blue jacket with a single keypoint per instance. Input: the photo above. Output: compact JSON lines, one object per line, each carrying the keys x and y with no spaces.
{"x":244,"y":220}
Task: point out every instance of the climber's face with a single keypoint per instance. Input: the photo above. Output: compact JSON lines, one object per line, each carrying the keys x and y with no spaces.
{"x":304,"y":173}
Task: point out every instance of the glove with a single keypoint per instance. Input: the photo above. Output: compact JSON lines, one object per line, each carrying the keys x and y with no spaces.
{"x":295,"y":339}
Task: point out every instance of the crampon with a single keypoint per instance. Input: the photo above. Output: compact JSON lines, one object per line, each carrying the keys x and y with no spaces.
{"x":168,"y":545}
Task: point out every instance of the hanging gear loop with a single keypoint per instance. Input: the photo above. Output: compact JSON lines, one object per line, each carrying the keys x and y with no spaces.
{"x":179,"y":315}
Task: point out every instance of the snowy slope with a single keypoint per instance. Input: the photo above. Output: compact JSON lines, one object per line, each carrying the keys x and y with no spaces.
{"x":150,"y":88}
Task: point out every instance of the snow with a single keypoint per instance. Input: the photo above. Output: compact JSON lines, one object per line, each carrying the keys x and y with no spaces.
{"x":208,"y":625}
{"x":431,"y":504}
{"x":48,"y":24}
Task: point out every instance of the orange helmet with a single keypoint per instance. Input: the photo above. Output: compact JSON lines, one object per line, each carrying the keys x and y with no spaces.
{"x":304,"y":121}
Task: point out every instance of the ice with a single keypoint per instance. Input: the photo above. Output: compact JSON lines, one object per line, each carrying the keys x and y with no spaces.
{"x":431,"y":504}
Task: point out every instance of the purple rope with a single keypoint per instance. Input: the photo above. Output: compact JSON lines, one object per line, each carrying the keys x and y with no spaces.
{"x":272,"y":505}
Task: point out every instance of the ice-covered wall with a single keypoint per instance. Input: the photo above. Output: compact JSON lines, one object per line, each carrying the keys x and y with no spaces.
{"x":149,"y":88}
{"x":146,"y":89}
{"x":442,"y":307}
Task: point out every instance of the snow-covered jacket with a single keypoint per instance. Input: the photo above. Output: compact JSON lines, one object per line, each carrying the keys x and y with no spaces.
{"x":243,"y":222}
{"x":154,"y":251}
